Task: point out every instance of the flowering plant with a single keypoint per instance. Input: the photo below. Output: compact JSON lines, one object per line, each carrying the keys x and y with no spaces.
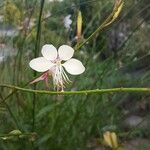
{"x":54,"y":62}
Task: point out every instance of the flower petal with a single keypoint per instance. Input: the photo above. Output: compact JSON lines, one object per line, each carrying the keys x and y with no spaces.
{"x":74,"y":66}
{"x":49,"y":52}
{"x":65,"y":52}
{"x":40,"y":64}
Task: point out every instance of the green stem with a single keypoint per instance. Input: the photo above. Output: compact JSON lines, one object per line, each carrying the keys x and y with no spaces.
{"x":14,"y":91}
{"x":10,"y":112}
{"x":106,"y":22}
{"x":95,"y":91}
{"x":37,"y":46}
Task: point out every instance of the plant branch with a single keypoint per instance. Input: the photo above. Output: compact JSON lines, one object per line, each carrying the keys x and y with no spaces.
{"x":95,"y":91}
{"x":109,"y":20}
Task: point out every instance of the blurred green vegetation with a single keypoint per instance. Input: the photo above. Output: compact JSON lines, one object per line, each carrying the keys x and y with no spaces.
{"x":117,"y":57}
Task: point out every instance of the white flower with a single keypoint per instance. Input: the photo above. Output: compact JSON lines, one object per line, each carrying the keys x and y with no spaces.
{"x":53,"y":63}
{"x":67,"y":21}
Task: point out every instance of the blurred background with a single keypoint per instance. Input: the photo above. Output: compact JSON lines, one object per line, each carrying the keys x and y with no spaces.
{"x":119,"y":56}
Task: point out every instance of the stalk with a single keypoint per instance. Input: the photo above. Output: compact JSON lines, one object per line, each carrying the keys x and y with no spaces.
{"x":95,"y":91}
{"x":36,"y":52}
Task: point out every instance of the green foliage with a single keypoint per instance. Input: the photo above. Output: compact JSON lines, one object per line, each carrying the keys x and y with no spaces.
{"x":65,"y":122}
{"x":12,"y":14}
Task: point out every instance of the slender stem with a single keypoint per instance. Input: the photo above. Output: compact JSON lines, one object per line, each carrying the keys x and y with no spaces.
{"x":11,"y":113}
{"x":14,"y":91}
{"x":37,"y":46}
{"x":132,"y":33}
{"x":96,"y":91}
{"x":109,"y":20}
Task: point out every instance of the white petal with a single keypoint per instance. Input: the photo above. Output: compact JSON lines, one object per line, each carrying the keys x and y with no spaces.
{"x":74,"y":66}
{"x":40,"y":64}
{"x":49,"y":52}
{"x":65,"y":52}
